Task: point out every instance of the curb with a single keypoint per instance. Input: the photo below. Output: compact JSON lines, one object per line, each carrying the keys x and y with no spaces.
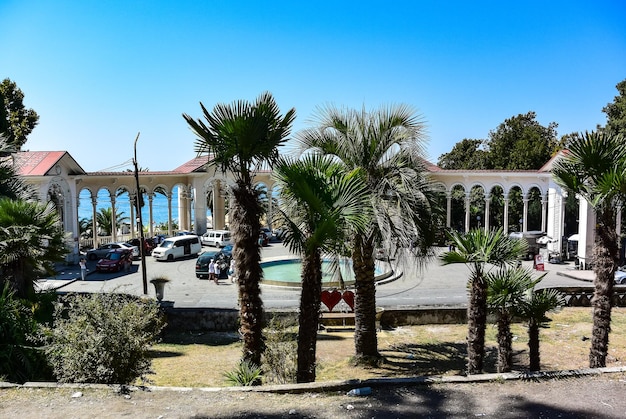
{"x":344,"y":385}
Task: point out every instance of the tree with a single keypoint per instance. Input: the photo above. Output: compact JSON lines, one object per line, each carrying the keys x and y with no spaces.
{"x":16,"y":122}
{"x":11,"y":185}
{"x":479,"y":249}
{"x":104,"y":218}
{"x":386,"y":146}
{"x":466,"y":155}
{"x":616,"y":111}
{"x":31,"y":240}
{"x":534,"y":309}
{"x":594,"y":168}
{"x":321,"y":203}
{"x":241,"y":138}
{"x":506,"y":290}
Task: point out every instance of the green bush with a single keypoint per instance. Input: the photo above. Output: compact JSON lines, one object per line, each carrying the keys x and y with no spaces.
{"x":21,"y":356}
{"x":246,"y":374}
{"x":280,"y":355}
{"x":103,"y":338}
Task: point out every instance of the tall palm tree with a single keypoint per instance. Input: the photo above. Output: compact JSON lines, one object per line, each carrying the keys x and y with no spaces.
{"x":104,"y":219}
{"x":534,"y":308}
{"x":31,"y":240}
{"x":594,"y":167}
{"x":320,"y":204}
{"x":506,"y":290}
{"x":386,"y":146}
{"x":480,"y":250}
{"x":241,"y":138}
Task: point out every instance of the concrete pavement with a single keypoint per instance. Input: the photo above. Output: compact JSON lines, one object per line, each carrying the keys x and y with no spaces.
{"x":416,"y":286}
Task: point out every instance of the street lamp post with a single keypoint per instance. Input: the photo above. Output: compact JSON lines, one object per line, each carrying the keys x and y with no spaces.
{"x":142,"y":244}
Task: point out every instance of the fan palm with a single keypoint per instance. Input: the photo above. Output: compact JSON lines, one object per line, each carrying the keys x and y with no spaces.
{"x":321,"y":203}
{"x":241,"y":138}
{"x":104,"y":218}
{"x":31,"y":240}
{"x":506,"y":290}
{"x":386,"y":146}
{"x":594,"y":167}
{"x":480,"y":249}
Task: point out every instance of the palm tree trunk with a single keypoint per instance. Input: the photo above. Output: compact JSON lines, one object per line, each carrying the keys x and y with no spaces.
{"x":477,"y":322}
{"x":309,"y":317}
{"x":247,"y":254}
{"x":533,"y":346}
{"x":365,"y":337}
{"x":505,"y":345}
{"x":605,"y":261}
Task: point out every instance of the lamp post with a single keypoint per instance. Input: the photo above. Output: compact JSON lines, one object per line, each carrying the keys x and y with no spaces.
{"x":142,"y":244}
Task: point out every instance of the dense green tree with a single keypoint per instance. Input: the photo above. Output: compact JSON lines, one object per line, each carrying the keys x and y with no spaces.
{"x":466,"y":155}
{"x":616,"y":111}
{"x":479,"y":249}
{"x":321,"y":204}
{"x":386,"y":146}
{"x":594,"y":169}
{"x":241,"y":138}
{"x":31,"y":240}
{"x":16,"y":122}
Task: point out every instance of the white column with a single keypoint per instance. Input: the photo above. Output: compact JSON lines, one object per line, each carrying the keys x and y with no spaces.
{"x":169,"y":213}
{"x":487,"y":202}
{"x":525,"y":215}
{"x":544,"y":206}
{"x":467,"y":212}
{"x":113,"y":218}
{"x":131,"y":198}
{"x":150,"y":217}
{"x":506,"y":216}
{"x":448,"y":208}
{"x":94,"y":221}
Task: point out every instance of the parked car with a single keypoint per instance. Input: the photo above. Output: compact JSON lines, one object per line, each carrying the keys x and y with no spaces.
{"x":115,"y":260}
{"x":102,"y":251}
{"x":228,"y":250}
{"x":202,"y":264}
{"x":620,"y":277}
{"x":148,"y":245}
{"x":217,"y":238}
{"x":177,"y":247}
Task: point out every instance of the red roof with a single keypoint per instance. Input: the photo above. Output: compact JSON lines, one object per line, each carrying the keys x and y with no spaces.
{"x":36,"y":163}
{"x":192,"y":165}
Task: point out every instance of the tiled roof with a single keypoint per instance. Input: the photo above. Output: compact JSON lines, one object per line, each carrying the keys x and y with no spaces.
{"x":192,"y":165}
{"x":36,"y":163}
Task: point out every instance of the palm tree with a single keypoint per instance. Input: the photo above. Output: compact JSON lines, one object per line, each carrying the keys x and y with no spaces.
{"x":31,"y":240}
{"x":594,"y":167}
{"x":386,"y":146}
{"x":104,"y":219}
{"x":241,"y":138}
{"x":321,"y":203}
{"x":534,"y":309}
{"x":480,"y":249}
{"x":506,"y":290}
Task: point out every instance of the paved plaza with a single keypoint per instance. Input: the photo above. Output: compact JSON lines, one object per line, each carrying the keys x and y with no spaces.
{"x":430,"y":285}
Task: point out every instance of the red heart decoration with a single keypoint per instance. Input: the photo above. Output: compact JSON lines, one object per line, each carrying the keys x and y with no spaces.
{"x":348,"y":297}
{"x":331,"y":298}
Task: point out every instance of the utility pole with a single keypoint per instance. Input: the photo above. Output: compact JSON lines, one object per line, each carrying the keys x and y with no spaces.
{"x":142,"y":240}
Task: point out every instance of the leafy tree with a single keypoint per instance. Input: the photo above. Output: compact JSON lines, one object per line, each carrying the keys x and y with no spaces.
{"x":321,"y":204}
{"x":241,"y":138}
{"x":104,"y":218}
{"x":386,"y":146}
{"x":506,"y":290}
{"x":616,"y":111}
{"x":16,"y":122}
{"x":466,"y":155}
{"x":11,"y":185}
{"x":594,"y":168}
{"x":534,"y":308}
{"x":479,"y":249}
{"x":31,"y":240}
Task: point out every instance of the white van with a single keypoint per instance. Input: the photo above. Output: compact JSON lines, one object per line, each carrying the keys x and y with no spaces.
{"x":177,"y":247}
{"x":217,"y":238}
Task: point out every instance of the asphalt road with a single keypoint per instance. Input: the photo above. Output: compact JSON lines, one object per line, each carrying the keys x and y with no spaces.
{"x":415,"y":286}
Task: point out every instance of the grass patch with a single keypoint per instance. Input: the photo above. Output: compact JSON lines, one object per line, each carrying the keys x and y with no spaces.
{"x":200,"y":360}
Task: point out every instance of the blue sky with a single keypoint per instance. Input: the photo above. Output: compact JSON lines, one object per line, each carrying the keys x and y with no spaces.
{"x":99,"y":72}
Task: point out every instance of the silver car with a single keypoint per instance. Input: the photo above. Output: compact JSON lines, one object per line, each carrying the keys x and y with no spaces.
{"x":102,"y":251}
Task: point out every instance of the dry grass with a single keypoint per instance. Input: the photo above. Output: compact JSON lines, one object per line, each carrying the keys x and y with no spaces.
{"x":200,"y":360}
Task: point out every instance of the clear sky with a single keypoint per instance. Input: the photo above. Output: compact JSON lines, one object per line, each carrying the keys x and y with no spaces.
{"x":98,"y":72}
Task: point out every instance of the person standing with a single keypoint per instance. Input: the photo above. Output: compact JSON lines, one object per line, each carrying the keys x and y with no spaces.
{"x":212,"y":271}
{"x":83,"y":268}
{"x":231,"y":270}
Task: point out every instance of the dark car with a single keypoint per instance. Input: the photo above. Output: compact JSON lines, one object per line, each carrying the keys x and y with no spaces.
{"x":115,"y":261}
{"x":202,"y":264}
{"x":228,"y":250}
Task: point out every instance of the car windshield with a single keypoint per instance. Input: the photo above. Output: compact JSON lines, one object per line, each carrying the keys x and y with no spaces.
{"x":167,"y":244}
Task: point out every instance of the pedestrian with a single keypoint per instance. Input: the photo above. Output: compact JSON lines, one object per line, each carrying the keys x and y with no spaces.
{"x":231,"y":271}
{"x":83,"y":268}
{"x":212,"y":271}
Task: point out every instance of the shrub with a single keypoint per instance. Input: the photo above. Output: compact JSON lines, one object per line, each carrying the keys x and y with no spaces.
{"x":21,"y":357}
{"x":104,"y":338}
{"x":280,"y":356}
{"x":246,"y":374}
